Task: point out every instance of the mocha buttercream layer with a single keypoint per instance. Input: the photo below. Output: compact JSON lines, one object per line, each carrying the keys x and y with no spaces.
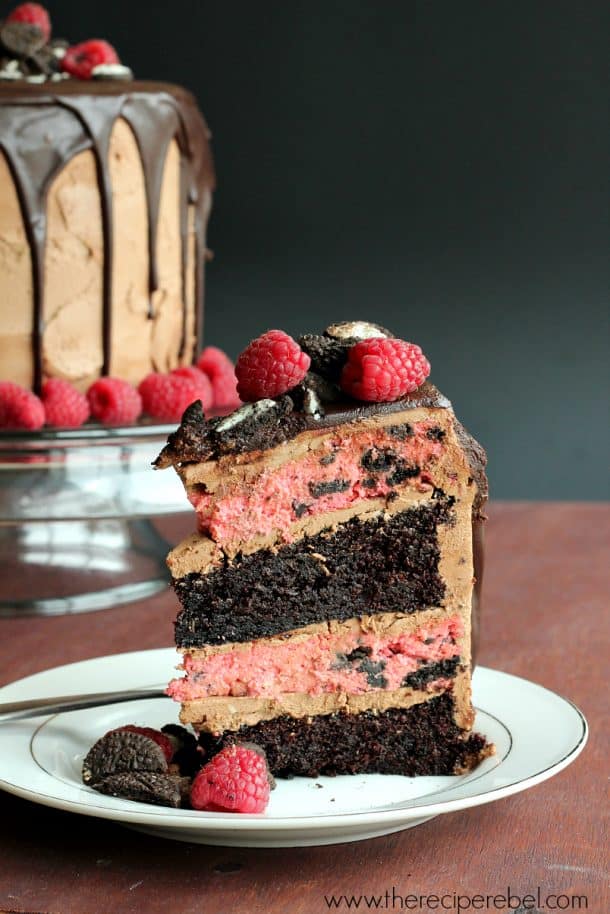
{"x":105,"y":191}
{"x":422,"y":739}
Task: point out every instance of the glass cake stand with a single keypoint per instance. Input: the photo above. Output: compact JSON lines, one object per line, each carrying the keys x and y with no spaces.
{"x":76,"y":509}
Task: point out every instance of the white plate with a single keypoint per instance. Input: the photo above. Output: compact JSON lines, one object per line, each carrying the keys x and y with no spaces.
{"x":536,"y":733}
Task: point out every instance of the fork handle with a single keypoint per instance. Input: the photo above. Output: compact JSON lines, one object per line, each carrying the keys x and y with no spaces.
{"x":35,"y":707}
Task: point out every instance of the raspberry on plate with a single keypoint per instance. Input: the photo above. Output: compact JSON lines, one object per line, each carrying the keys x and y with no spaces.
{"x":33,"y":14}
{"x":114,"y":401}
{"x":202,"y":382}
{"x":81,"y":59}
{"x":380,"y":370}
{"x":220,"y":370}
{"x":161,"y":739}
{"x":64,"y":405}
{"x":270,"y":365}
{"x":237,"y":779}
{"x":19,"y":408}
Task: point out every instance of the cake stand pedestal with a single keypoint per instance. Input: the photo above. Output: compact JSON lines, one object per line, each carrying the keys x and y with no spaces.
{"x":83,"y":501}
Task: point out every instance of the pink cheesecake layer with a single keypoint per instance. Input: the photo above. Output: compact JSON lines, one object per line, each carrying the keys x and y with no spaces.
{"x":280,"y":496}
{"x":351,"y":662}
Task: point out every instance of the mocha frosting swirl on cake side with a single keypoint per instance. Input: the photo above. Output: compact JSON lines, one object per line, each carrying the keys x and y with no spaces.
{"x":43,"y":127}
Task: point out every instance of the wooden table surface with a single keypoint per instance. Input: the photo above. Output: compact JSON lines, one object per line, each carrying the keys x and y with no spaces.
{"x":545,"y":619}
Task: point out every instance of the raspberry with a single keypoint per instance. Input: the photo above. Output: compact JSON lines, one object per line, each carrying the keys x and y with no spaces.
{"x":235,"y":780}
{"x":80,"y":59}
{"x":163,"y":741}
{"x":221,"y":372}
{"x":214,"y":362}
{"x":225,"y":392}
{"x":19,"y":408}
{"x":270,"y":365}
{"x":201,"y":380}
{"x":380,"y":369}
{"x":166,"y":396}
{"x":114,"y":401}
{"x":33,"y":14}
{"x":64,"y":405}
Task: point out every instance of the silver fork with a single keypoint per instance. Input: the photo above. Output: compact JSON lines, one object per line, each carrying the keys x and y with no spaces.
{"x":36,"y":707}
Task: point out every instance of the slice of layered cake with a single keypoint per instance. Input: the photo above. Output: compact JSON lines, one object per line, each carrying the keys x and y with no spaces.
{"x":330,"y":594}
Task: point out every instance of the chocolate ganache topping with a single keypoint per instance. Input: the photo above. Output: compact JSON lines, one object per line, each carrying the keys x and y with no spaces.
{"x":267,"y":423}
{"x":43,"y":126}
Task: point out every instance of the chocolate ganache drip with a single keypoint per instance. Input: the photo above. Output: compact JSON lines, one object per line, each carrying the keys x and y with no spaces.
{"x":42,"y":127}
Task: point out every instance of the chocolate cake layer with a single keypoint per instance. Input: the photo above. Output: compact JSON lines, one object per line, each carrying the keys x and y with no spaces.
{"x":420,"y":740}
{"x":360,"y":568}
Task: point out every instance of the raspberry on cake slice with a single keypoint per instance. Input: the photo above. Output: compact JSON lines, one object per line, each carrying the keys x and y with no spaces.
{"x":379,"y":370}
{"x":328,"y":594}
{"x":270,"y":365}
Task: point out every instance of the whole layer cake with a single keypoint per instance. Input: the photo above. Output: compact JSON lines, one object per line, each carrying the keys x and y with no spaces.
{"x":330,"y":594}
{"x":105,"y":191}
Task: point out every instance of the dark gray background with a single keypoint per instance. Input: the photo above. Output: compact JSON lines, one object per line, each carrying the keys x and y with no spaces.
{"x":439,"y":167}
